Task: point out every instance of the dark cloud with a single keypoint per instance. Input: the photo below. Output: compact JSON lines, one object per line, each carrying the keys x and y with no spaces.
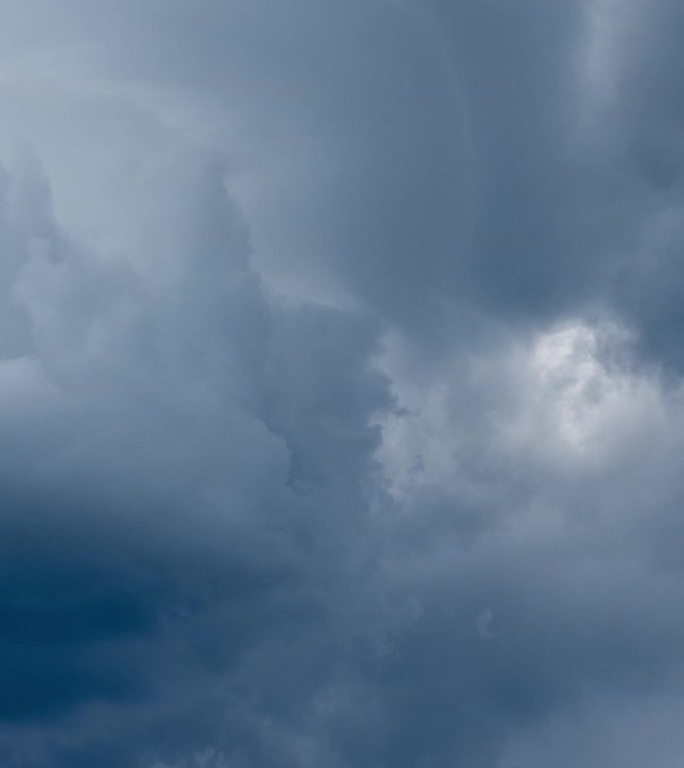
{"x":340,"y":401}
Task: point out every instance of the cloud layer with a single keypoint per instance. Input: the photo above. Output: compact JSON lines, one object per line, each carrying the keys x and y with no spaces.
{"x":340,"y":384}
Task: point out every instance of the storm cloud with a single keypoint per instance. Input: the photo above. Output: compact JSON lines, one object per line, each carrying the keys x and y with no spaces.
{"x":341,"y":408}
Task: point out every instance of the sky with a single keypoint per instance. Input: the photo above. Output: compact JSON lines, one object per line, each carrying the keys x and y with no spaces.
{"x":341,"y":383}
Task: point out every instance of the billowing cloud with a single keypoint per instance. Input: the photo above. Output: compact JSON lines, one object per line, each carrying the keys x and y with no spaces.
{"x":340,"y":384}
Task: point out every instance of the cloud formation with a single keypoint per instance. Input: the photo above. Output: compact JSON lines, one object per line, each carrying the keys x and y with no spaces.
{"x":340,"y":384}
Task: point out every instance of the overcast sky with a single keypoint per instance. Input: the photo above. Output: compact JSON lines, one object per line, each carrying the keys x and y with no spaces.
{"x":341,"y":403}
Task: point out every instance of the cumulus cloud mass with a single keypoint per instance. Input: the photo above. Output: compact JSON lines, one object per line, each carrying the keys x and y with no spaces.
{"x":341,"y":383}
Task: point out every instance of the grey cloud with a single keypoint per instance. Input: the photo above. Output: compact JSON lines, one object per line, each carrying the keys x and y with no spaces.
{"x":185,"y":464}
{"x":339,"y":402}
